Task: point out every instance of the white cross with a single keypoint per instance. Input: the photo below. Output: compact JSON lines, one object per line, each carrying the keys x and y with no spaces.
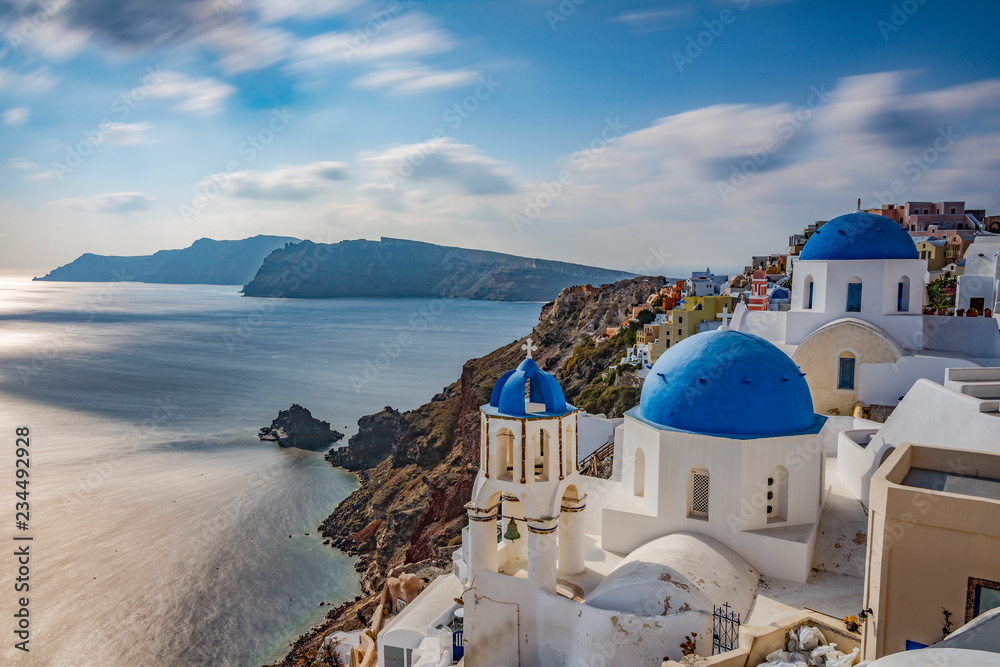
{"x":529,"y":348}
{"x":725,"y":316}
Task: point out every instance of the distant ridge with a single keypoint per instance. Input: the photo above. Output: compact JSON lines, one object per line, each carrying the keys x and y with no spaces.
{"x":206,"y":261}
{"x":397,"y":268}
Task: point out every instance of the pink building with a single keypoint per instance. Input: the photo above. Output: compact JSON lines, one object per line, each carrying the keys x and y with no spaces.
{"x":924,"y":216}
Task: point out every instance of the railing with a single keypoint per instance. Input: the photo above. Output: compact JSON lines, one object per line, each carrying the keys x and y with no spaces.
{"x":725,"y":629}
{"x":601,"y":453}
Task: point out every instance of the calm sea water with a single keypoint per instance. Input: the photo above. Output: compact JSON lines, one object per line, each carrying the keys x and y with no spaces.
{"x":161,"y":524}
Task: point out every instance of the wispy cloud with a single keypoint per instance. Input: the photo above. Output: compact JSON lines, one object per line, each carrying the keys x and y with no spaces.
{"x":204,"y":95}
{"x":415,"y":79}
{"x":16,"y":116}
{"x":291,"y":182}
{"x":650,"y":20}
{"x":462,"y":165}
{"x":112,"y":202}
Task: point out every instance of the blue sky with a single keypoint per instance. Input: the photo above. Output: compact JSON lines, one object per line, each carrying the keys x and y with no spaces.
{"x":629,"y":134}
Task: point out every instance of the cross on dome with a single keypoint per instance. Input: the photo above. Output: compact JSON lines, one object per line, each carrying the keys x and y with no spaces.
{"x":529,"y":347}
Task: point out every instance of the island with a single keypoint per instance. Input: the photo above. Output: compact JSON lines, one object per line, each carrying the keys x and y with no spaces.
{"x":296,"y":427}
{"x":206,"y":261}
{"x":400,"y":268}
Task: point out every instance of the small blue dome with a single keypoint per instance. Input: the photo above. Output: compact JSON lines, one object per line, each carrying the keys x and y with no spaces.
{"x":727,"y":383}
{"x":508,"y":393}
{"x":860,"y":235}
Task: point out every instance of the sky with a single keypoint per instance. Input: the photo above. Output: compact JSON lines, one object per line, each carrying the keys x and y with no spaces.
{"x":641,"y":135}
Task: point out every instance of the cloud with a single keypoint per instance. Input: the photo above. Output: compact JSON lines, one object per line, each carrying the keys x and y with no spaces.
{"x":21,"y":164}
{"x":112,"y":202}
{"x":405,"y":36}
{"x":16,"y":116}
{"x":292,"y":182}
{"x":650,"y":20}
{"x":247,"y":47}
{"x":196,"y":95}
{"x":415,"y":79}
{"x":463,"y":165}
{"x":34,"y":82}
{"x":127,"y":134}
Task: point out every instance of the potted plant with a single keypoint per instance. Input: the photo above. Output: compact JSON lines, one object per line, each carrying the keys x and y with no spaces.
{"x":960,"y":312}
{"x":987,"y":312}
{"x":972,"y":312}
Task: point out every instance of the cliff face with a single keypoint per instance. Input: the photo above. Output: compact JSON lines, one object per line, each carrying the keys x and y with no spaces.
{"x":410,"y":506}
{"x":397,"y":268}
{"x":206,"y":261}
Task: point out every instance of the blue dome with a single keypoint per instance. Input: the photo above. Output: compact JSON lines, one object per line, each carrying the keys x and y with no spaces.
{"x":727,"y":383}
{"x":860,"y":235}
{"x":508,"y":393}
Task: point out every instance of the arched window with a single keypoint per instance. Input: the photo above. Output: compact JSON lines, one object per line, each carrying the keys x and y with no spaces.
{"x":845,"y":374}
{"x":505,"y":454}
{"x":807,"y":294}
{"x":903,"y":295}
{"x":698,"y":492}
{"x":777,"y":494}
{"x":542,"y":460}
{"x":639,"y":474}
{"x":569,"y":449}
{"x":854,"y":295}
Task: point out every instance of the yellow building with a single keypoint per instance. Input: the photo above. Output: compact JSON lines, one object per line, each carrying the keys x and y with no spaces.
{"x":934,"y":252}
{"x":933,"y":545}
{"x":683,"y":322}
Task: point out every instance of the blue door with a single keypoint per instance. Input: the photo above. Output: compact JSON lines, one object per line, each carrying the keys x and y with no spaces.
{"x":854,"y":298}
{"x":846,"y":380}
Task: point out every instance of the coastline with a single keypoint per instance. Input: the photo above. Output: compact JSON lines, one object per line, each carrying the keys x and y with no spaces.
{"x":408,"y":512}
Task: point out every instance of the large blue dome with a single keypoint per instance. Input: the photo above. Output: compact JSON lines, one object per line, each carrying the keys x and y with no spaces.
{"x":727,"y":383}
{"x":509,"y":392}
{"x":860,"y":235}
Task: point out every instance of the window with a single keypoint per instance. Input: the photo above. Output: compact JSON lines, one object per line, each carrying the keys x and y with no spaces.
{"x":809,"y":285}
{"x":903,"y":295}
{"x":777,"y":495}
{"x":854,"y":297}
{"x":846,"y":375}
{"x":639,"y":474}
{"x":953,"y":210}
{"x":505,"y":454}
{"x":983,"y":595}
{"x":698,"y":493}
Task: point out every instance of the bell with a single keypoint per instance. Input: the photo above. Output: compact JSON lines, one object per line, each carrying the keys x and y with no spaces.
{"x":511,"y":532}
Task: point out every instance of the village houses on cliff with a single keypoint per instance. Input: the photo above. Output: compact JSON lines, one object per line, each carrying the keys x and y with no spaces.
{"x":753,"y":514}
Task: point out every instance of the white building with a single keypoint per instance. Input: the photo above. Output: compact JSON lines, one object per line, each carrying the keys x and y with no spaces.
{"x":979,"y":284}
{"x":855,"y":324}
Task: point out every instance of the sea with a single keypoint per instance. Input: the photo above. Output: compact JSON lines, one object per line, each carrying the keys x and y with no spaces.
{"x":163,"y":532}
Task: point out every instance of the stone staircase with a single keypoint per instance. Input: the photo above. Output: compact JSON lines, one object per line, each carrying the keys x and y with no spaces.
{"x":979,"y":383}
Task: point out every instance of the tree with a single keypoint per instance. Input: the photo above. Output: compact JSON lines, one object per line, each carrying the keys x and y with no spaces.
{"x":645,"y":317}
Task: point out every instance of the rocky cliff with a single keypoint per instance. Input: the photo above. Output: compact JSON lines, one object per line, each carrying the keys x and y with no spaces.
{"x":206,"y":261}
{"x":398,"y":268}
{"x":409,"y":509}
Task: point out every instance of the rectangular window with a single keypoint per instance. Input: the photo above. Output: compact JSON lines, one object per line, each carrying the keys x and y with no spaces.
{"x":846,"y":380}
{"x":699,"y":495}
{"x":984,"y":595}
{"x":854,"y":298}
{"x":901,"y":300}
{"x":811,"y":285}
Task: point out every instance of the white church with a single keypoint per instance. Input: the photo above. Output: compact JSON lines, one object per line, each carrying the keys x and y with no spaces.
{"x":856,"y":326}
{"x":731,"y":497}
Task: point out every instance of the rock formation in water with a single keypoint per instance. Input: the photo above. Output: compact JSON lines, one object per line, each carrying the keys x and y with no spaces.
{"x":371,"y":444}
{"x":296,"y":427}
{"x":409,"y":509}
{"x":397,"y":268}
{"x":206,"y":261}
